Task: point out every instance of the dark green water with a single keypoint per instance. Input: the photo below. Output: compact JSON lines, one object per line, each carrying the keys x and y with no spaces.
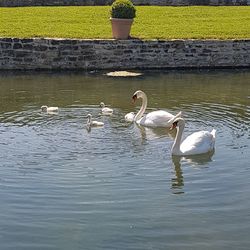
{"x":117,"y":187}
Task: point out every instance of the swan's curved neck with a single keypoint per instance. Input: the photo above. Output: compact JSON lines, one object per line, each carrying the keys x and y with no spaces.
{"x":89,"y":121}
{"x":177,"y":142}
{"x":143,"y":107}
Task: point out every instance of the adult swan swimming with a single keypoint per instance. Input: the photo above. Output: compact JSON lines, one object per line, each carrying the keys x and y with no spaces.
{"x":197,"y":143}
{"x":159,"y":118}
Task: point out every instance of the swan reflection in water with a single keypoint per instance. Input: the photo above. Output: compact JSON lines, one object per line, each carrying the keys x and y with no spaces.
{"x":192,"y":160}
{"x":154,"y":133}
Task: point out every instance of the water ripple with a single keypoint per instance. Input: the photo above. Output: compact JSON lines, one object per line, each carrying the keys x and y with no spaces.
{"x":61,"y":184}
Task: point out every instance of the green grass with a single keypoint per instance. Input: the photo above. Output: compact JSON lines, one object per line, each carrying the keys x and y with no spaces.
{"x":151,"y":22}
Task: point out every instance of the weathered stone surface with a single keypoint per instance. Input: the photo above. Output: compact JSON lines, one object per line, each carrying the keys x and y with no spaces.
{"x":121,"y":54}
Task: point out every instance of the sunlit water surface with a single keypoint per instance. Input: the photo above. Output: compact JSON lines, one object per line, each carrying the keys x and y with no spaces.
{"x":117,"y":187}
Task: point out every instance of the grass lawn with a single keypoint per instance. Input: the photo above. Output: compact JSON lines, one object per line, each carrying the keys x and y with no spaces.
{"x":151,"y":22}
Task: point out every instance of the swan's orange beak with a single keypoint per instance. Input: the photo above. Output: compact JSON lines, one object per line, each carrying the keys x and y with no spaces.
{"x":174,"y":125}
{"x":134,"y":98}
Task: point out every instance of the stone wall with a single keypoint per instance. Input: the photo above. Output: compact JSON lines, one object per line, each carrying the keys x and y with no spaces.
{"x":121,"y":54}
{"x":14,"y":3}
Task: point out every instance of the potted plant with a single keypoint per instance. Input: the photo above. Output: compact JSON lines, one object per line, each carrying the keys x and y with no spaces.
{"x":122,"y":16}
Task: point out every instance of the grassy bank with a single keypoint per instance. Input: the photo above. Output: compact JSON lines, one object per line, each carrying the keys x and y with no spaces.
{"x":151,"y":22}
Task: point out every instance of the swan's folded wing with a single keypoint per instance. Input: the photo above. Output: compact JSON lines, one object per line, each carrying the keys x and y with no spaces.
{"x":107,"y":110}
{"x":156,"y":118}
{"x":198,"y":143}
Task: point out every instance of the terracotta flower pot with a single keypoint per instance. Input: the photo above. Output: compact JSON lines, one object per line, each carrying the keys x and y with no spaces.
{"x":121,"y":27}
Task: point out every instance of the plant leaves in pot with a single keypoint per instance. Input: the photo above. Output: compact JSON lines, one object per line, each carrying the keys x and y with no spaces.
{"x":122,"y":16}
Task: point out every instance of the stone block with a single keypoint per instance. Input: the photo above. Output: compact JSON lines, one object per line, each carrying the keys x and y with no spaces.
{"x":111,"y":54}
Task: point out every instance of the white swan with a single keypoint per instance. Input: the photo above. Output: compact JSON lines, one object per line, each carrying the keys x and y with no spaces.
{"x":129,"y":117}
{"x":159,"y":118}
{"x":91,"y":123}
{"x":197,"y":143}
{"x":45,"y":108}
{"x":106,"y":110}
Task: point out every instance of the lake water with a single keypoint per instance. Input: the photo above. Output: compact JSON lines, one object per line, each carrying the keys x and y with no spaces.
{"x":118,"y":187}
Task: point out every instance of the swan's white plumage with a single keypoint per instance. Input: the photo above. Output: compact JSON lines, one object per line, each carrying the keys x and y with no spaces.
{"x":106,"y":110}
{"x":129,"y":117}
{"x":197,"y":143}
{"x":159,"y":118}
{"x":45,"y":108}
{"x":91,"y":123}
